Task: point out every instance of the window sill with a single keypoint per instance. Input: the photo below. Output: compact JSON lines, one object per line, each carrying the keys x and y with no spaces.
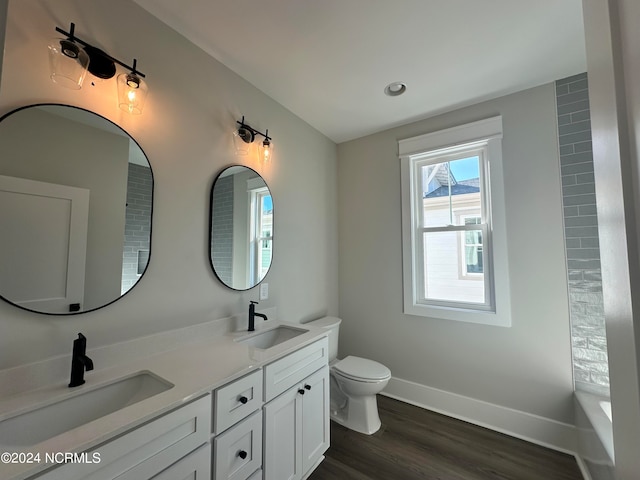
{"x":460,"y":314}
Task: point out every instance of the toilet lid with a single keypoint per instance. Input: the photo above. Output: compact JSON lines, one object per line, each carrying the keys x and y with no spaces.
{"x":362,"y":368}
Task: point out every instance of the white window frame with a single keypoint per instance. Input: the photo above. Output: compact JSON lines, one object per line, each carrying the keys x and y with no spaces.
{"x":487,"y":136}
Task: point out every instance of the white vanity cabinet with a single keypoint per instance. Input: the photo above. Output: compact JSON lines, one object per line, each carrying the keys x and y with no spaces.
{"x":271,"y":424}
{"x":148,"y":451}
{"x":296,"y":421}
{"x":237,"y":428}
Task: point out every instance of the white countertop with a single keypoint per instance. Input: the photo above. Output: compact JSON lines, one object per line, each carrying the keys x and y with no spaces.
{"x":194,"y":369}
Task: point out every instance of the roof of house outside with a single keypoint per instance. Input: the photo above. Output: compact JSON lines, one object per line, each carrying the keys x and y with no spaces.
{"x":471,"y":185}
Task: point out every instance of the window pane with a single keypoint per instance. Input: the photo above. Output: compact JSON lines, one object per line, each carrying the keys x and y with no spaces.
{"x":444,"y":270}
{"x":265,"y":242}
{"x":473,"y":237}
{"x":266,"y":216}
{"x":448,"y":187}
{"x":265,"y":256}
{"x":473,"y":259}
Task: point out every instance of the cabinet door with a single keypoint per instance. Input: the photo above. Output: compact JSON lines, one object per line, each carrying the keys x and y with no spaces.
{"x":282,"y":440}
{"x":147,"y":450}
{"x":315,"y":418}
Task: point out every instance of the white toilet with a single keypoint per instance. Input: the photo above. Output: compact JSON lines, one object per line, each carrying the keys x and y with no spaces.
{"x":355,"y":382}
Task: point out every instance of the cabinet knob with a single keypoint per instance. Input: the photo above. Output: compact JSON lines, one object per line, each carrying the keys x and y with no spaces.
{"x":243,"y":400}
{"x":301,"y":392}
{"x":242,"y":454}
{"x":307,"y":387}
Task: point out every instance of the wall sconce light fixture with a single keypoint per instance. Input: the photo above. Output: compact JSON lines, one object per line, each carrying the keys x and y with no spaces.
{"x":68,"y":61}
{"x":70,"y":58}
{"x":244,"y":136}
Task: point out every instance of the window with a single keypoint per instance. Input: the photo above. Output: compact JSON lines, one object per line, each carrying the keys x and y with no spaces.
{"x":261,"y":233}
{"x":453,"y":222}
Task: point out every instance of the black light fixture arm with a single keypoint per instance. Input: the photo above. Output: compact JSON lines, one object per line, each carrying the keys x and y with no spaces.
{"x":253,"y":130}
{"x":70,"y":35}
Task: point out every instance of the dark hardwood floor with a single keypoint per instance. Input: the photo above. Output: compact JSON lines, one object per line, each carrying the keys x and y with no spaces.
{"x":414,"y":443}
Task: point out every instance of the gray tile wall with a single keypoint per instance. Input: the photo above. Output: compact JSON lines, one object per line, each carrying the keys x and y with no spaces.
{"x":222,"y":234}
{"x":590,"y":362}
{"x":137,"y":229}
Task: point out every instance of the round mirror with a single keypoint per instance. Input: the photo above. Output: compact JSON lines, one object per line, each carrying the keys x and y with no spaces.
{"x":76,"y":194}
{"x":241,"y":228}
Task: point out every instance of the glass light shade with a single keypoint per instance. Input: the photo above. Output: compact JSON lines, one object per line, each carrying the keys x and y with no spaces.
{"x":68,"y":63}
{"x":242,"y":138}
{"x":132,"y":93}
{"x":266,"y":151}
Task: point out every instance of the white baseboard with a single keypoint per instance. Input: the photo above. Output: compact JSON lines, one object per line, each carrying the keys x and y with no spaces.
{"x":526,"y":426}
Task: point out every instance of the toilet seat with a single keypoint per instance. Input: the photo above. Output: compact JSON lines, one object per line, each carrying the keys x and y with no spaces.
{"x":361,"y":369}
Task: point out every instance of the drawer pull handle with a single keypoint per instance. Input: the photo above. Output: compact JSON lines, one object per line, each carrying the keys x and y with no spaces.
{"x":242,"y":454}
{"x":243,"y":400}
{"x":301,"y":392}
{"x":308,"y":387}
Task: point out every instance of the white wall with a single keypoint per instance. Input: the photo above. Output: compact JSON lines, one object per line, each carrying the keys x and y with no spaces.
{"x":185,"y":131}
{"x":526,"y":367}
{"x":612,"y":40}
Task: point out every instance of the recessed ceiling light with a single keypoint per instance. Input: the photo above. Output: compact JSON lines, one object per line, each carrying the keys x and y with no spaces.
{"x":394,"y":89}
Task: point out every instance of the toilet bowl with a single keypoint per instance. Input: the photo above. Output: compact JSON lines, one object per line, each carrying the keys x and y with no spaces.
{"x":354,"y":384}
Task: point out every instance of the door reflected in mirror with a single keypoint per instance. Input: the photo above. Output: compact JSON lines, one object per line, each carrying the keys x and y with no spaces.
{"x":76,"y":195}
{"x":241,"y":228}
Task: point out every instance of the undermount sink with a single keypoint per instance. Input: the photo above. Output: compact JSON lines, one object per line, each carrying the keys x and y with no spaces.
{"x":270,"y":338}
{"x":45,"y":422}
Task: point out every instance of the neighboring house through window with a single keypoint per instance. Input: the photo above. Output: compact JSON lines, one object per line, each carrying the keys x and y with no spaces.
{"x":454,"y":236}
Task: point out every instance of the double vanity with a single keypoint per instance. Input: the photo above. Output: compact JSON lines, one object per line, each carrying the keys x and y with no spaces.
{"x":242,"y":405}
{"x":204,"y":403}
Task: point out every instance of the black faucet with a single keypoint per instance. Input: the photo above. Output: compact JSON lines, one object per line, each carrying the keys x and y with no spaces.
{"x":79,"y":361}
{"x":253,"y":315}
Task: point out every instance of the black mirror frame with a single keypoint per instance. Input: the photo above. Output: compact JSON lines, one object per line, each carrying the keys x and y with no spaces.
{"x":211,"y":229}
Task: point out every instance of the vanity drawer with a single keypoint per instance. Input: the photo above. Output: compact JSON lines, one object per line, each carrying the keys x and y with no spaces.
{"x":238,"y":451}
{"x":147,"y":450}
{"x":282,"y":374}
{"x":236,"y":400}
{"x":195,"y":466}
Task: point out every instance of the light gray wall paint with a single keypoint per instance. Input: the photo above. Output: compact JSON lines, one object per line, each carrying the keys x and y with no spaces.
{"x":526,"y":367}
{"x":186,"y":131}
{"x":612,"y":40}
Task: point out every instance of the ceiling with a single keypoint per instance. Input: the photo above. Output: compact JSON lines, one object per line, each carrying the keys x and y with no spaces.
{"x":328,"y":61}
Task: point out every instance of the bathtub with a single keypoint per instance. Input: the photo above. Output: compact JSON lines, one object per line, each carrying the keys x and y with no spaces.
{"x":595,"y":434}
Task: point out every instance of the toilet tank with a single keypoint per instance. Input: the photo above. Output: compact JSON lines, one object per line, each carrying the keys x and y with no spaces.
{"x":333,"y":325}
